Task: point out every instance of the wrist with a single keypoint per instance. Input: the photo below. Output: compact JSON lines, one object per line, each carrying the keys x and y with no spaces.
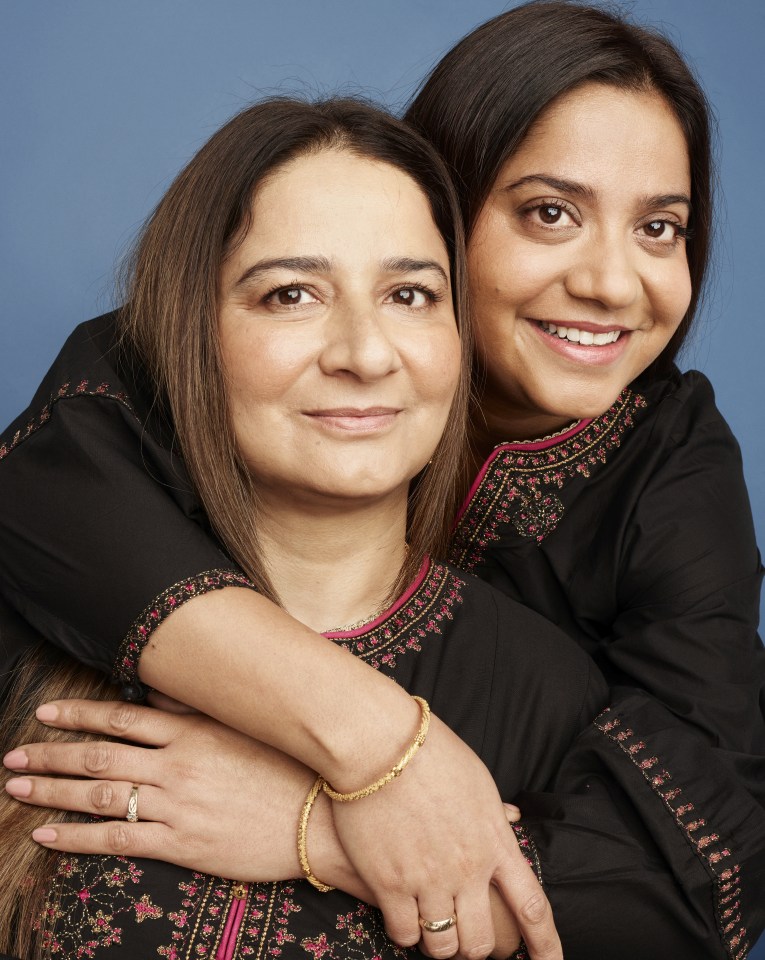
{"x":329,"y":861}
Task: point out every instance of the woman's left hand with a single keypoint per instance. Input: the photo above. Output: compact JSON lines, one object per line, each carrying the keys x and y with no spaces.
{"x":209,"y":798}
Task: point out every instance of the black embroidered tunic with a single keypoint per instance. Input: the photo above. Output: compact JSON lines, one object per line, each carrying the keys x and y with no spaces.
{"x":632,"y":533}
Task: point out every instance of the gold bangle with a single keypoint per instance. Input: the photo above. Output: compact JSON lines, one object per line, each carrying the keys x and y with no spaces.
{"x":302,"y":834}
{"x":415,"y":745}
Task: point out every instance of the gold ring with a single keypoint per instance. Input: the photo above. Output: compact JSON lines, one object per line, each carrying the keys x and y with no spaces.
{"x":438,"y":926}
{"x":132,"y":814}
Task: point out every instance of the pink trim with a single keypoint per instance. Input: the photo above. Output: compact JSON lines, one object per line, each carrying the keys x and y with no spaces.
{"x":503,"y":447}
{"x":365,"y":628}
{"x":227,"y":944}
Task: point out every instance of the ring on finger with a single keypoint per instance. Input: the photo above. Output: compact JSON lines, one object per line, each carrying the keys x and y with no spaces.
{"x":438,"y":926}
{"x":132,"y":810}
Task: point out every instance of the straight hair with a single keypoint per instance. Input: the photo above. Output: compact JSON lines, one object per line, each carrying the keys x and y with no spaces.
{"x":169,"y":320}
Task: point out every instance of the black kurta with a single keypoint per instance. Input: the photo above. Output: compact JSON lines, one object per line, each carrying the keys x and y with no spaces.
{"x":633,"y":533}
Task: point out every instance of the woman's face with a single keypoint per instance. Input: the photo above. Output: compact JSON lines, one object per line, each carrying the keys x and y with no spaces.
{"x":577,"y":263}
{"x":337,"y":331}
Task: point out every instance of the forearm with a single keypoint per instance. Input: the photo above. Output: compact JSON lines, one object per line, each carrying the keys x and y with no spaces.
{"x":237,"y":657}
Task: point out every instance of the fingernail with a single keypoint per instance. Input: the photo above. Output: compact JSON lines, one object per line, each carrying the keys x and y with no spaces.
{"x":16,"y":760}
{"x":46,"y":713}
{"x":44,"y":835}
{"x":19,"y":787}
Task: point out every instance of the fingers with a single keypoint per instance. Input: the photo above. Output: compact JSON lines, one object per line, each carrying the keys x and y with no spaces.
{"x":104,"y":798}
{"x":475,"y":927}
{"x":126,"y":721}
{"x":512,"y":812}
{"x":444,"y":943}
{"x":401,"y":918}
{"x":521,"y":891}
{"x":106,"y":761}
{"x":112,"y":837}
{"x":161,"y":701}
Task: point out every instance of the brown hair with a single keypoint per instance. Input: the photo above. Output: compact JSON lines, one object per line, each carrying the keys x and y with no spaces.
{"x":480,"y":101}
{"x":170,"y":316}
{"x":169,"y":324}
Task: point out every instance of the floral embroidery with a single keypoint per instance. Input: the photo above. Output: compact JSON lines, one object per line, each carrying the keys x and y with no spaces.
{"x":707,"y":845}
{"x":360,"y":936}
{"x":87,"y":906}
{"x":191,"y":909}
{"x":517,"y":486}
{"x":528,"y":849}
{"x":128,"y":655}
{"x":426,"y":611}
{"x":85,"y":388}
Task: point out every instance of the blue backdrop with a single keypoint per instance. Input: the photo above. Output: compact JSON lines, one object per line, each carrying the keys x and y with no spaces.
{"x":102,"y":102}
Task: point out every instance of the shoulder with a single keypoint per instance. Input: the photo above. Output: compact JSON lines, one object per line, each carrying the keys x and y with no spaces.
{"x":682,"y":407}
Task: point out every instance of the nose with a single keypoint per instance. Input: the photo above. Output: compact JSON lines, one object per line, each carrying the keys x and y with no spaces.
{"x":359,"y":343}
{"x":604,"y":271}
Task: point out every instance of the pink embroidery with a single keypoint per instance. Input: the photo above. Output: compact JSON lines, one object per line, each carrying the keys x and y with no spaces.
{"x":517,"y":486}
{"x":85,"y":388}
{"x":404,"y":627}
{"x":129,"y":653}
{"x":708,"y":847}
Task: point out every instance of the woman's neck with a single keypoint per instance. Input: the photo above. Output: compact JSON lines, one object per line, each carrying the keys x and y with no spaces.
{"x":333,"y":568}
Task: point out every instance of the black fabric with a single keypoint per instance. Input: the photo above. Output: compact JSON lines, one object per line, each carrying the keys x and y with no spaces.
{"x":648,"y":560}
{"x":651,"y":836}
{"x":483,"y":662}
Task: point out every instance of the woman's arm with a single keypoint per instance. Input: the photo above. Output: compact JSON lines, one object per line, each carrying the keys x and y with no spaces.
{"x":102,"y":544}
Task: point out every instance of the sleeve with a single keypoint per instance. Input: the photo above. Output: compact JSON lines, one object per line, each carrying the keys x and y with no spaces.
{"x":100,"y":536}
{"x":653,"y":839}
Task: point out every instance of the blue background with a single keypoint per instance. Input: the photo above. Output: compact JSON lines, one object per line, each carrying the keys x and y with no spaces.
{"x":103,"y":101}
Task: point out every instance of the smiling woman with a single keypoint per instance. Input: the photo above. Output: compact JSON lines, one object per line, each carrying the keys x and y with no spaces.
{"x":334,"y":338}
{"x":608,"y":497}
{"x":592,"y":213}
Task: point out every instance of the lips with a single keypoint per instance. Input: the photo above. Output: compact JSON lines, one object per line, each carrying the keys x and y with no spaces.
{"x":355,"y":419}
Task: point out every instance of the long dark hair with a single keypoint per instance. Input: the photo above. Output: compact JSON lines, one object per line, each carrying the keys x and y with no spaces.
{"x":171,"y":295}
{"x":480,"y":101}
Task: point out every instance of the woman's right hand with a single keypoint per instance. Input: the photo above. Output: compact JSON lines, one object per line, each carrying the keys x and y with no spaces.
{"x":430,"y":844}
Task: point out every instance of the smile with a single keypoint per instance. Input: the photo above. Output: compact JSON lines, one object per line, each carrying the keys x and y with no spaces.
{"x":584,"y":337}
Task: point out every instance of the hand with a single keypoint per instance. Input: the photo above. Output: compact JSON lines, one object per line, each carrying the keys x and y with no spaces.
{"x":209,"y":798}
{"x":432,"y":842}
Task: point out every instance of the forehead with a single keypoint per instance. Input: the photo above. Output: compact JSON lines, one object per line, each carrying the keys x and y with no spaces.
{"x":336,"y":197}
{"x":599,"y":134}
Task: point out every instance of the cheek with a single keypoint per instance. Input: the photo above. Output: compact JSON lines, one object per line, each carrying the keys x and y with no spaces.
{"x":671,"y":295}
{"x":436,"y":368}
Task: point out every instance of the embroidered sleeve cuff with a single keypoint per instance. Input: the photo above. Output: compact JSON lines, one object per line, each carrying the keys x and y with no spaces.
{"x":126,"y":664}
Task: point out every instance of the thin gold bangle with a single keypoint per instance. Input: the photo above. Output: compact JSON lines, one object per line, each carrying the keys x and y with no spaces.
{"x":397,"y":770}
{"x":302,"y":834}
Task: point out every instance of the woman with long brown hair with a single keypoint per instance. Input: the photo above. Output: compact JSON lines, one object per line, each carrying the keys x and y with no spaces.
{"x":615,"y":506}
{"x":333,"y":354}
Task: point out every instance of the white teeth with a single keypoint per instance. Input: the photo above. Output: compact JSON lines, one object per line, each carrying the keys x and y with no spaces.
{"x":585,"y":337}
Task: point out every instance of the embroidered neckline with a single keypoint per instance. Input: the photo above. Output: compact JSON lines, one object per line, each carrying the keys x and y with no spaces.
{"x":516,"y":489}
{"x":423,"y":609}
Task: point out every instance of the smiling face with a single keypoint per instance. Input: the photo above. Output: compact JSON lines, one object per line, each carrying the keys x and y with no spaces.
{"x":337,"y":331}
{"x":577,"y":262}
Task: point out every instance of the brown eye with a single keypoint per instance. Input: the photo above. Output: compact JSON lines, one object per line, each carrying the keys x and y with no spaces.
{"x":410,"y":297}
{"x":655,"y":228}
{"x":288,"y":296}
{"x":550,"y":214}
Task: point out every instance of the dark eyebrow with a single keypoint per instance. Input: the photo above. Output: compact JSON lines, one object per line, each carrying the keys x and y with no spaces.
{"x":666,"y":200}
{"x":408,"y":264}
{"x":303,"y":264}
{"x":587,"y":193}
{"x":556,"y":183}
